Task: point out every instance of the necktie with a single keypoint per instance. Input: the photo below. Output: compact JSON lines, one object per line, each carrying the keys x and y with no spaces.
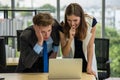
{"x":45,"y":56}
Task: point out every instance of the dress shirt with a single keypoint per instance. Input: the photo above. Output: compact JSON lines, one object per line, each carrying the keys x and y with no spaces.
{"x":38,"y":49}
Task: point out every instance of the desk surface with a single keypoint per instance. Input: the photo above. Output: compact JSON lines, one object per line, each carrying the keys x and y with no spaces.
{"x":37,"y":76}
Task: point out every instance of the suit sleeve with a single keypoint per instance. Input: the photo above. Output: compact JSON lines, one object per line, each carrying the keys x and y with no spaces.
{"x":27,"y":54}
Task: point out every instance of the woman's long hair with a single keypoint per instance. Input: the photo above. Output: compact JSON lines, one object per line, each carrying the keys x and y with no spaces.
{"x":76,"y":9}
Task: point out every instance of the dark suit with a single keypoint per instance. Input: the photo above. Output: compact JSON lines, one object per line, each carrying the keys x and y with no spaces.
{"x":29,"y":60}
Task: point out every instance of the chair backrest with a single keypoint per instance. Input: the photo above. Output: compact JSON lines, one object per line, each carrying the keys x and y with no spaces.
{"x":102,"y":56}
{"x":2,"y":55}
{"x":18,"y":39}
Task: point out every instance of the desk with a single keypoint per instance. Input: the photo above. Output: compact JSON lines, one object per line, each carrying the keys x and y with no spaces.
{"x":12,"y":61}
{"x":37,"y":76}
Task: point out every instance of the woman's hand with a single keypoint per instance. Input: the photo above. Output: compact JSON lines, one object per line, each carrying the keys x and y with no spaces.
{"x":38,"y":34}
{"x":90,"y":71}
{"x":72,"y":33}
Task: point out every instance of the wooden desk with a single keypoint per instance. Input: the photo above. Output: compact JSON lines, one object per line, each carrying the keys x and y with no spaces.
{"x":12,"y":61}
{"x":37,"y":76}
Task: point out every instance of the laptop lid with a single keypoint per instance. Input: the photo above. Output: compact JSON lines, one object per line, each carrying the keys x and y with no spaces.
{"x":65,"y":68}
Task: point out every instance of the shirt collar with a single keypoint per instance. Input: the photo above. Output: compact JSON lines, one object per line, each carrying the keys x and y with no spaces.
{"x":49,"y":40}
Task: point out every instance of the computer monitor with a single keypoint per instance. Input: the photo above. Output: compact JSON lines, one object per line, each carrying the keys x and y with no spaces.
{"x":18,"y":39}
{"x":2,"y":54}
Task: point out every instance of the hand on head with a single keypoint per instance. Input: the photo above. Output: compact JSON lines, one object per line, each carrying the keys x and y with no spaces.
{"x":38,"y":34}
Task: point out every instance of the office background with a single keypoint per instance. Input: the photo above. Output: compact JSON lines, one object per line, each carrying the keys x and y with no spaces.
{"x":105,"y":11}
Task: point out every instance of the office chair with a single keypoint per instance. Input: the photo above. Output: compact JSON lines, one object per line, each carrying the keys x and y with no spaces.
{"x":18,"y":39}
{"x":2,"y":55}
{"x":102,"y":56}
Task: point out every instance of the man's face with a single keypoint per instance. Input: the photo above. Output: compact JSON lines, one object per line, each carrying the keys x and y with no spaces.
{"x":46,"y":31}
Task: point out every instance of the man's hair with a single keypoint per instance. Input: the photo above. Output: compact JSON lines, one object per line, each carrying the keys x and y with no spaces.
{"x":43,"y":19}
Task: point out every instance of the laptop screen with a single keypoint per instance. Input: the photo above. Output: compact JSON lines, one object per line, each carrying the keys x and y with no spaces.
{"x":65,"y":68}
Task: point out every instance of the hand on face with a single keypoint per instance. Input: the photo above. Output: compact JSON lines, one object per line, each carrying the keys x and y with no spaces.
{"x":38,"y":34}
{"x":72,"y":32}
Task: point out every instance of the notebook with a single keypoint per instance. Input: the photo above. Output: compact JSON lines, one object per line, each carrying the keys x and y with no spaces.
{"x":65,"y":68}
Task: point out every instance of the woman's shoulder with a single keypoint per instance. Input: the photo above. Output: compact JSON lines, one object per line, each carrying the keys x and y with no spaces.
{"x":94,"y":22}
{"x":91,"y":20}
{"x":89,"y":16}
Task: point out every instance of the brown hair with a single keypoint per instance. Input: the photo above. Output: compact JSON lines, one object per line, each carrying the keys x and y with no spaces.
{"x":76,"y":9}
{"x":43,"y":19}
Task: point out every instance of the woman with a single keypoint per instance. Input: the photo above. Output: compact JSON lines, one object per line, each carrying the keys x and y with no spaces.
{"x":77,"y":38}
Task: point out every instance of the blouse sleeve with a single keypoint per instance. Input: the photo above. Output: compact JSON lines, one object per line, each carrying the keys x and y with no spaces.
{"x":94,"y":22}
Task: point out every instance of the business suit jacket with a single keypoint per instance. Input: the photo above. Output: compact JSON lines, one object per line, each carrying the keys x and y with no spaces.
{"x":29,"y":60}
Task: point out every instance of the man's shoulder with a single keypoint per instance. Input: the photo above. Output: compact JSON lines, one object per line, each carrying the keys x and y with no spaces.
{"x":28,"y":32}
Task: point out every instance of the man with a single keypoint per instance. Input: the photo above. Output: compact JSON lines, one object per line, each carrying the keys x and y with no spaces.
{"x":31,"y":44}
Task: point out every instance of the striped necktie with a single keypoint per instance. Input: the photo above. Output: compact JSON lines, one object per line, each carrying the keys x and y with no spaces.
{"x":45,"y":56}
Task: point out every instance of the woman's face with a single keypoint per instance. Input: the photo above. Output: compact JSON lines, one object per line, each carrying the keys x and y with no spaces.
{"x":73,"y":21}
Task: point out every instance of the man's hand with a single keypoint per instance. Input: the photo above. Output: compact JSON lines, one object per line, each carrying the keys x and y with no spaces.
{"x":38,"y":34}
{"x":53,"y":55}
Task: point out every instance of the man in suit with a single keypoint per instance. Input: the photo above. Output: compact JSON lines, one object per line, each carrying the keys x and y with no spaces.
{"x":31,"y":43}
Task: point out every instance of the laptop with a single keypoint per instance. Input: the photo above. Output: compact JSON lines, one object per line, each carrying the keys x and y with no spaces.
{"x":65,"y":68}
